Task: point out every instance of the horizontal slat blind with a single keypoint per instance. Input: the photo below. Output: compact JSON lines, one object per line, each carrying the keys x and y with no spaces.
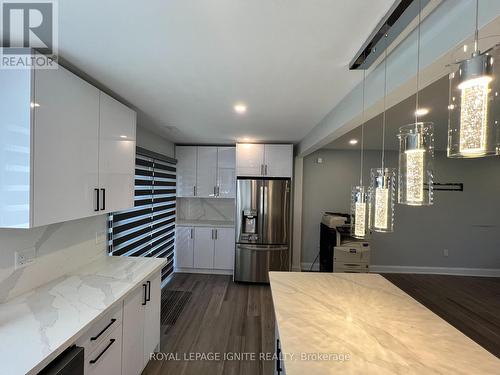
{"x":148,"y":229}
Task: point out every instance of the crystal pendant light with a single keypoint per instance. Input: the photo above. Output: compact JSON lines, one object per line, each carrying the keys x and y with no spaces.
{"x":383,"y":182}
{"x":472,"y":131}
{"x":359,"y":194}
{"x":416,"y":154}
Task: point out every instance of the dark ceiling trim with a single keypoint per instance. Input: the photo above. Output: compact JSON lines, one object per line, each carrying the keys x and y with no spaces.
{"x":393,"y":23}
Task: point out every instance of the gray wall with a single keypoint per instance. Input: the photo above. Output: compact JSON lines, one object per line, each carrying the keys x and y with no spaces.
{"x":466,"y":223}
{"x":153,"y":142}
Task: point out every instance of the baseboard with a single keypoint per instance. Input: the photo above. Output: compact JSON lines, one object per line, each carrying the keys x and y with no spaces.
{"x":202,"y":270}
{"x":486,"y":272}
{"x":306,"y":266}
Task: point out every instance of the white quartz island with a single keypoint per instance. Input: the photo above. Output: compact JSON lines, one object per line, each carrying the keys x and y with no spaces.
{"x":363,"y":324}
{"x":37,"y":326}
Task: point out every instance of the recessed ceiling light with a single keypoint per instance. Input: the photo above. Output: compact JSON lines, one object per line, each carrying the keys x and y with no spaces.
{"x":123,"y":136}
{"x":240,"y":108}
{"x":421,"y":112}
{"x":33,"y":105}
{"x":353,"y":142}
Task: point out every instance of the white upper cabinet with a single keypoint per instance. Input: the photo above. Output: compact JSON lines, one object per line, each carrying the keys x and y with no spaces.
{"x":259,"y":160}
{"x":278,"y":160}
{"x":116,"y":155}
{"x":249,"y":159}
{"x":58,"y":146}
{"x":186,"y":170}
{"x":206,"y":171}
{"x":226,"y":172}
{"x":65,"y":152}
{"x":206,"y":175}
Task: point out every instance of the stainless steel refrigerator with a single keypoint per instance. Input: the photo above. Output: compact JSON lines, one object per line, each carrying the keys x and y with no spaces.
{"x":262,"y":228}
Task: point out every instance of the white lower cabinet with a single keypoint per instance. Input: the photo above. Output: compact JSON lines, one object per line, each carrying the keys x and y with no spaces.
{"x":107,"y":358}
{"x":209,"y":249}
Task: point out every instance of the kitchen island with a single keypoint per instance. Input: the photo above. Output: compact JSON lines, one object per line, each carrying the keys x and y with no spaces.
{"x":363,"y":324}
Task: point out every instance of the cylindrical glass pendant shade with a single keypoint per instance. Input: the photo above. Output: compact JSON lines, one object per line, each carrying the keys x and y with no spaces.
{"x":473,"y":108}
{"x":383,"y":194}
{"x":359,"y":212}
{"x":416,"y":156}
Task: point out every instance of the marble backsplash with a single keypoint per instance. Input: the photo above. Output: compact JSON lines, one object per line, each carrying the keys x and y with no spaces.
{"x":59,"y":248}
{"x":217,"y":209}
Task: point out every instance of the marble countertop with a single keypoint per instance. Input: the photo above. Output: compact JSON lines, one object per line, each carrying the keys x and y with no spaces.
{"x":363,"y":324}
{"x":205,"y":223}
{"x":37,"y":326}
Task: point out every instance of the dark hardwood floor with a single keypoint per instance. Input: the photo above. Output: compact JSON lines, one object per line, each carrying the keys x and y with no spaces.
{"x":220,"y":317}
{"x":224,"y":317}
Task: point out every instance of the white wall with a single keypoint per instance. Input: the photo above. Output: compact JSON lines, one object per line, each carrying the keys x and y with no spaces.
{"x":153,"y":142}
{"x":60,"y":248}
{"x":466,"y":223}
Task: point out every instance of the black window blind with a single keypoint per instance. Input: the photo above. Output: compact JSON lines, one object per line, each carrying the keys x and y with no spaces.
{"x":148,"y":229}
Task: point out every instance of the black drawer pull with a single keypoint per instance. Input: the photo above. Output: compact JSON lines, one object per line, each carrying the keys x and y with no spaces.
{"x":145,"y":294}
{"x":104,"y":330}
{"x":279,"y":370}
{"x":104,"y":351}
{"x":149,"y":291}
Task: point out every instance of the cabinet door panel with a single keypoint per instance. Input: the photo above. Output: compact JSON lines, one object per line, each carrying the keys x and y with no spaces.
{"x":133,"y":333}
{"x":66,"y":133}
{"x":224,"y":249}
{"x":249,"y":159}
{"x":184,"y":242}
{"x":279,"y":160}
{"x":186,"y":170}
{"x":152,"y":318}
{"x":203,"y":248}
{"x":116,"y":154}
{"x":206,"y":172}
{"x":110,"y":362}
{"x":226,"y":172}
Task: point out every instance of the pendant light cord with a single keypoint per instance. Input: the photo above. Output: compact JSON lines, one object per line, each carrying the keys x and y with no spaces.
{"x":385,"y":104}
{"x":362,"y":132}
{"x":418,"y":63}
{"x":476,"y":31}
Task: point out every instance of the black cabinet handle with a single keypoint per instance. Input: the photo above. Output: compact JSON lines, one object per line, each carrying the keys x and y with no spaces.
{"x":145,"y":291}
{"x":279,"y":370}
{"x":104,"y":330}
{"x":96,"y":190}
{"x":103,"y":199}
{"x":149,"y":291}
{"x":92,"y":361}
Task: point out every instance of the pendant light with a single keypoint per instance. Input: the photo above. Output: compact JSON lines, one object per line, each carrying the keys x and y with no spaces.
{"x":359,"y":193}
{"x":471,"y":126}
{"x":416,"y":152}
{"x":382,"y":190}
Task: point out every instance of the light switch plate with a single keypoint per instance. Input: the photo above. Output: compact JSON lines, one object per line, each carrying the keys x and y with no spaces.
{"x":25,"y":257}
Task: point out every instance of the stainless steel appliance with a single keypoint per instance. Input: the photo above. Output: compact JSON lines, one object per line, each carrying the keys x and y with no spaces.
{"x":262,"y":228}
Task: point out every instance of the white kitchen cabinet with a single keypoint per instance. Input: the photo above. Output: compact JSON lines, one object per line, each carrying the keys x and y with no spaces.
{"x":107,"y":358}
{"x":65,"y":147}
{"x":206,"y":174}
{"x":278,"y":160}
{"x":117,"y":127}
{"x":226,"y":172}
{"x":184,"y":246}
{"x":152,"y":318}
{"x":141,"y":325}
{"x":57,"y":145}
{"x":203,"y":248}
{"x":259,"y":160}
{"x":249,"y":159}
{"x":224,"y":248}
{"x":186,"y":170}
{"x":133,"y":332}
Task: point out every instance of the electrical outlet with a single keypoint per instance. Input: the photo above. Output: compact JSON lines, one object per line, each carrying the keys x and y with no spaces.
{"x":100,"y":237}
{"x":445,"y":252}
{"x":25,"y":257}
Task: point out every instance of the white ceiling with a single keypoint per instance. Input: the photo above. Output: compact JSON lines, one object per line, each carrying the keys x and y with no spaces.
{"x":433,"y":97}
{"x":184,"y":64}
